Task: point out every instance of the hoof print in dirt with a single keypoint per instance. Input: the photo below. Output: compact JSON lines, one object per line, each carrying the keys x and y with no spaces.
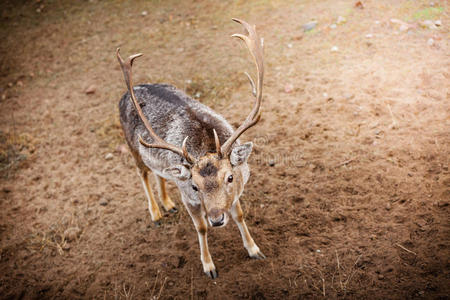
{"x":212,"y":274}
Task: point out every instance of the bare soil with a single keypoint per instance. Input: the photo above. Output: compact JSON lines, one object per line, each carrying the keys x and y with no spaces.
{"x":350,"y":187}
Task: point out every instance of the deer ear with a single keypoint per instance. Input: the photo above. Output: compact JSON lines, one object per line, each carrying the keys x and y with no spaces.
{"x":240,"y":154}
{"x":180,"y":172}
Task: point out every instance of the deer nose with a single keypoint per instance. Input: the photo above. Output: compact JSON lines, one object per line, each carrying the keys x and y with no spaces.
{"x":217,"y":221}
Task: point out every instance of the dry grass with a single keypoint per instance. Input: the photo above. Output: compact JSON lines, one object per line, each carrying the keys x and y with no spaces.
{"x":14,"y":149}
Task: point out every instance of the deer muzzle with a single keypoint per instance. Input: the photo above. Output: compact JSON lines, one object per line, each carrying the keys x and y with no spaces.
{"x":217,"y":217}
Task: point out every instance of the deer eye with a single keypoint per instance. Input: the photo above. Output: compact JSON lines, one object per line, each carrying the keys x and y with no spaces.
{"x":230,"y":178}
{"x":195,"y":188}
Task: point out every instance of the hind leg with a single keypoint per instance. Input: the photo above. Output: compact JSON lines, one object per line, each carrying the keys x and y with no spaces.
{"x":152,"y":205}
{"x":163,"y":196}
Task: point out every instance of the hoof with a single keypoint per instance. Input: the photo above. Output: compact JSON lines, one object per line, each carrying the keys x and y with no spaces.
{"x":257,"y":254}
{"x":212,"y":274}
{"x":173,"y":210}
{"x":157,"y":223}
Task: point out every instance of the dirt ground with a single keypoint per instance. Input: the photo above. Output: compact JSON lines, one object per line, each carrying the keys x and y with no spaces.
{"x":350,"y":186}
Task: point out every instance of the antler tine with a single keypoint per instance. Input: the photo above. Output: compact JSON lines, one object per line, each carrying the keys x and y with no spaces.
{"x":126,"y":67}
{"x":217,"y":141}
{"x":255,"y":46}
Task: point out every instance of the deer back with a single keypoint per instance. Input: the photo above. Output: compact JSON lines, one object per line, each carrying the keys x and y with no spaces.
{"x":173,"y":115}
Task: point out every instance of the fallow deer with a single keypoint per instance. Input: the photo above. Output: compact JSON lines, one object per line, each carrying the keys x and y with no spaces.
{"x":182,"y":140}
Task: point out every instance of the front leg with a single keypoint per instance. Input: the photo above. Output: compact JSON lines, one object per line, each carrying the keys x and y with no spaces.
{"x":249,"y":243}
{"x":198,"y":216}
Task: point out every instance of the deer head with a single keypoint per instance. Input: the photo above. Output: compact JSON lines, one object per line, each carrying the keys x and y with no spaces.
{"x":217,"y":179}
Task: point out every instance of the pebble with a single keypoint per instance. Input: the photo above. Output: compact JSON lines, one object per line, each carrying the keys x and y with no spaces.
{"x":103,"y":202}
{"x":341,"y":20}
{"x":438,"y":23}
{"x":334,"y":49}
{"x":109,"y":156}
{"x":122,"y":149}
{"x":380,"y":277}
{"x":288,"y":88}
{"x":90,"y":90}
{"x":333,"y":26}
{"x":271,"y":162}
{"x":388,"y":206}
{"x":144,"y":13}
{"x":428,"y":24}
{"x":309,"y":26}
{"x":369,"y":35}
{"x":72,"y":233}
{"x":430,"y":42}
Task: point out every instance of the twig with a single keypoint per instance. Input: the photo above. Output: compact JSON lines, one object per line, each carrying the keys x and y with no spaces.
{"x":394,"y":122}
{"x":339,"y":270}
{"x":412,"y":252}
{"x":354,"y":271}
{"x":162,"y":287}
{"x":154,"y":285}
{"x":345,"y":163}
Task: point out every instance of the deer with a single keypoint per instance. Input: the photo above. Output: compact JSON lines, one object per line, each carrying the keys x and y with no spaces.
{"x":177,"y":138}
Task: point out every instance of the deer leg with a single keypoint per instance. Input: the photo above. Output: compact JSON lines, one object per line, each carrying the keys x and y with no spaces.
{"x":198,"y":217}
{"x":163,"y":196}
{"x":152,"y":205}
{"x":249,"y":243}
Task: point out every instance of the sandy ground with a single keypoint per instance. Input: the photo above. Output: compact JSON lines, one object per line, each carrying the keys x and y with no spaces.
{"x":350,"y":186}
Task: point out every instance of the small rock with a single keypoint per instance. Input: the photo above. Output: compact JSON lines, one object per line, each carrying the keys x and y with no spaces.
{"x":369,"y":35}
{"x":288,"y":88}
{"x":349,"y":96}
{"x":334,"y":49}
{"x":359,"y":5}
{"x":388,"y":206}
{"x":109,"y":156}
{"x":430,"y":42}
{"x":144,"y":13}
{"x":325,"y":95}
{"x":380,"y":277}
{"x":403,"y":25}
{"x":19,"y":83}
{"x":333,"y":26}
{"x":309,"y":26}
{"x":341,"y":20}
{"x":66,"y":247}
{"x":103,"y":202}
{"x":122,"y":149}
{"x":438,"y":23}
{"x":90,"y":90}
{"x":289,"y":45}
{"x":72,"y":233}
{"x":428,"y":24}
{"x":271,"y":162}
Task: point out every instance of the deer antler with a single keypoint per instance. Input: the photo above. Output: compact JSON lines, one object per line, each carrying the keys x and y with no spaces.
{"x":159,"y":142}
{"x":255,"y":46}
